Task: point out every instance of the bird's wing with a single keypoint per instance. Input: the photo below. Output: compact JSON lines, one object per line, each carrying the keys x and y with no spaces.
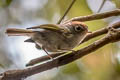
{"x":52,"y":27}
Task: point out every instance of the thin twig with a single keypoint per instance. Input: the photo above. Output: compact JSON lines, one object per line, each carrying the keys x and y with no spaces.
{"x":112,"y":36}
{"x":101,"y":6}
{"x":68,"y":9}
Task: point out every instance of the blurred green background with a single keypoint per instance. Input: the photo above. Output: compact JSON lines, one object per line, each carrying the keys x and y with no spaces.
{"x":103,"y":64}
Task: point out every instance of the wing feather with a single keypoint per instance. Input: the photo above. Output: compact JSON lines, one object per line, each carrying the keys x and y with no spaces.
{"x":52,"y":27}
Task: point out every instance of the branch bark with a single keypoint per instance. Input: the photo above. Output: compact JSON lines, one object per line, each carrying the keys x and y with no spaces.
{"x":112,"y":36}
{"x":96,"y":16}
{"x":42,"y":59}
{"x":88,"y":37}
{"x":92,"y":35}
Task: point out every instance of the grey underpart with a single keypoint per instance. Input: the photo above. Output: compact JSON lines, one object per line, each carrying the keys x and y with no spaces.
{"x":56,"y":42}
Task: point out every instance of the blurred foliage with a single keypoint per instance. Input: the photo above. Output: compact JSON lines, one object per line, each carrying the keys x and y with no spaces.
{"x":5,"y":3}
{"x":80,"y":8}
{"x":71,"y":69}
{"x":98,"y":65}
{"x":49,"y":10}
{"x":1,"y":66}
{"x":117,"y":3}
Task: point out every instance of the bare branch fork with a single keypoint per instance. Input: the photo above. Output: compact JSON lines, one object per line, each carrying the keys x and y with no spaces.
{"x":112,"y":36}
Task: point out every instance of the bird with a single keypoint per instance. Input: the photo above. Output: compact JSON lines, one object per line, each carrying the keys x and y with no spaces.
{"x":53,"y":38}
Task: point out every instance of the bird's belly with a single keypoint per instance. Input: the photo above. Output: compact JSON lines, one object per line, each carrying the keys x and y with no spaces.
{"x":54,"y":46}
{"x":52,"y":43}
{"x":60,"y":46}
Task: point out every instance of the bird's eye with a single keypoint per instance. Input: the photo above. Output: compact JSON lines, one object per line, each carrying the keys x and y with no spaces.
{"x":78,"y":28}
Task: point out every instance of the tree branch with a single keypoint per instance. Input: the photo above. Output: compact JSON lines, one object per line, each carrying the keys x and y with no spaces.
{"x":88,"y":37}
{"x":112,"y":36}
{"x":100,"y":32}
{"x":43,"y":58}
{"x":96,"y":16}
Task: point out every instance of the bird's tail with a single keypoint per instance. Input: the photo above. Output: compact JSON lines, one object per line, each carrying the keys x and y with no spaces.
{"x":19,"y":32}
